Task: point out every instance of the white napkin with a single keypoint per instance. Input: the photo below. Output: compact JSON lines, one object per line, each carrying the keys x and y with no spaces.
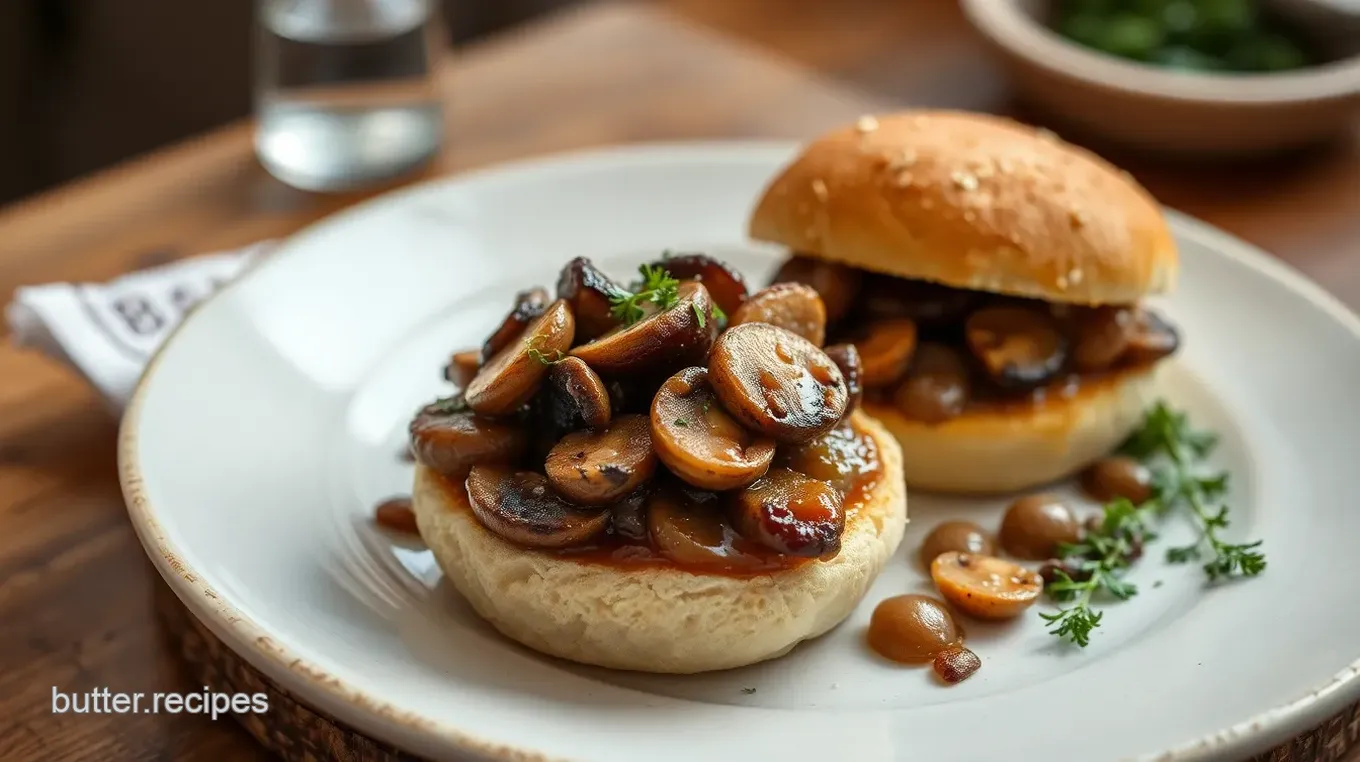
{"x":108,"y":331}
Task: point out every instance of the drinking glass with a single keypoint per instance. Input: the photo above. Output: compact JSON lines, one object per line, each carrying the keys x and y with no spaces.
{"x":346,"y":90}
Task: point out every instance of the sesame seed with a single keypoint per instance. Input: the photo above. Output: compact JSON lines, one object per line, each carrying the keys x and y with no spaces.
{"x":904,"y":179}
{"x":819,"y":189}
{"x":984,"y":171}
{"x":903,"y":160}
{"x":1062,"y":282}
{"x":1075,"y":276}
{"x":866,"y":124}
{"x":965,"y":181}
{"x":1077,"y":218}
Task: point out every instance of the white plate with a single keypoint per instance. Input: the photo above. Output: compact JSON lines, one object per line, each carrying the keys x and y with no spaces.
{"x":269,"y":425}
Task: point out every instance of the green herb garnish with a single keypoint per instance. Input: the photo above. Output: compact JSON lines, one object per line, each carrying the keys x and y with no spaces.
{"x":658,"y":287}
{"x":1174,"y":453}
{"x":699,"y":314}
{"x":1167,"y":436}
{"x":681,"y":422}
{"x":547,"y":358}
{"x":1096,"y":565}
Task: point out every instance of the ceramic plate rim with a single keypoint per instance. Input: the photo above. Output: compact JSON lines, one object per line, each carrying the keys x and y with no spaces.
{"x":253,"y":642}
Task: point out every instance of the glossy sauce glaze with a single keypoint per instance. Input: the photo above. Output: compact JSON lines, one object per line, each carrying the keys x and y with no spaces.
{"x":851,"y":459}
{"x":935,"y":352}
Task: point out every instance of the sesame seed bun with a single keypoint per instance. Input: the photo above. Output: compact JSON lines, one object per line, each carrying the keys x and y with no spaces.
{"x":661,"y":619}
{"x":975,"y":202}
{"x":1016,"y":448}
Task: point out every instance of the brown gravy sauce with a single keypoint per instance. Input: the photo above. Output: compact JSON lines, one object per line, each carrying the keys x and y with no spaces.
{"x":619,"y":552}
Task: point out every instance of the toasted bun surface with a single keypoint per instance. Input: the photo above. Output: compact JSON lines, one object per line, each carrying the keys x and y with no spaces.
{"x":971,"y":201}
{"x":1000,"y":450}
{"x":661,"y":619}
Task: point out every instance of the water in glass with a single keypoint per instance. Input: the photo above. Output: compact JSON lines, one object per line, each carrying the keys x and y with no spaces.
{"x":345,"y":90}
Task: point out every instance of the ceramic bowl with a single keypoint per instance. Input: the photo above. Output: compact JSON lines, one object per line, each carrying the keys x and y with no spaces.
{"x":1153,"y":109}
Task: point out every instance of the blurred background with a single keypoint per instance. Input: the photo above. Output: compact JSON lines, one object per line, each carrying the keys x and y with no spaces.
{"x":85,"y":84}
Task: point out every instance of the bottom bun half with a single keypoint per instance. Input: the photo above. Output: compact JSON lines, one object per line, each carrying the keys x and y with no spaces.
{"x":992,"y":451}
{"x":661,"y":619}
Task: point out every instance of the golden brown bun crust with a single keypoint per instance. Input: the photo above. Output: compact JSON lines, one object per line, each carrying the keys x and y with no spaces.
{"x":663,"y":619}
{"x":972,"y":201}
{"x":1015,"y":449}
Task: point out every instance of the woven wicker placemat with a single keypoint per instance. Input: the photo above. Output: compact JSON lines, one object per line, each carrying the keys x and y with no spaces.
{"x":298,"y":733}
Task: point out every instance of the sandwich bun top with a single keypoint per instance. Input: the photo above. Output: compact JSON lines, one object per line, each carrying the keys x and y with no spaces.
{"x":975,"y":202}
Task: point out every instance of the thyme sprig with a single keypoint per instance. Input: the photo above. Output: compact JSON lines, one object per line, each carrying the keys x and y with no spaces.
{"x":1174,"y":452}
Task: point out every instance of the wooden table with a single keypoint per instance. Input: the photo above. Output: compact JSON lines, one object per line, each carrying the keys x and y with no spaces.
{"x":76,"y":593}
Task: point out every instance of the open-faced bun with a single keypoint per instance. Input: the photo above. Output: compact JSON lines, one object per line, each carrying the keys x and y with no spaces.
{"x":971,"y":201}
{"x":1010,"y":449}
{"x":661,"y":619}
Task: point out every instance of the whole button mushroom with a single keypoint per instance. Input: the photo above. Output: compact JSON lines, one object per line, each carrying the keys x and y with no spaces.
{"x":790,"y":513}
{"x":777,"y":383}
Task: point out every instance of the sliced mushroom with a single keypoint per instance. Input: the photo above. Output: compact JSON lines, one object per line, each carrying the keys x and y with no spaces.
{"x":514,"y":374}
{"x":776,"y":383}
{"x":591,"y":294}
{"x":462,"y":367}
{"x":837,"y":457}
{"x":794,"y":307}
{"x":837,"y":284}
{"x":1102,"y":336}
{"x":846,"y":357}
{"x":725,"y":285}
{"x":453,"y":441}
{"x":1017,"y":346}
{"x":661,"y":342}
{"x":886,"y":297}
{"x":601,"y":466}
{"x":1152,"y":339}
{"x":529,"y":305}
{"x":697,"y":439}
{"x":790,"y":513}
{"x":936,"y":387}
{"x":520,"y":506}
{"x":695,"y":534}
{"x":885,"y":351}
{"x":575,"y":396}
{"x":628,"y":517}
{"x":985,"y":587}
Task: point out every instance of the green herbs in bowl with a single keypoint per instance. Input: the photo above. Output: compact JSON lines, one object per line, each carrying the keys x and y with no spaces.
{"x":1225,"y":36}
